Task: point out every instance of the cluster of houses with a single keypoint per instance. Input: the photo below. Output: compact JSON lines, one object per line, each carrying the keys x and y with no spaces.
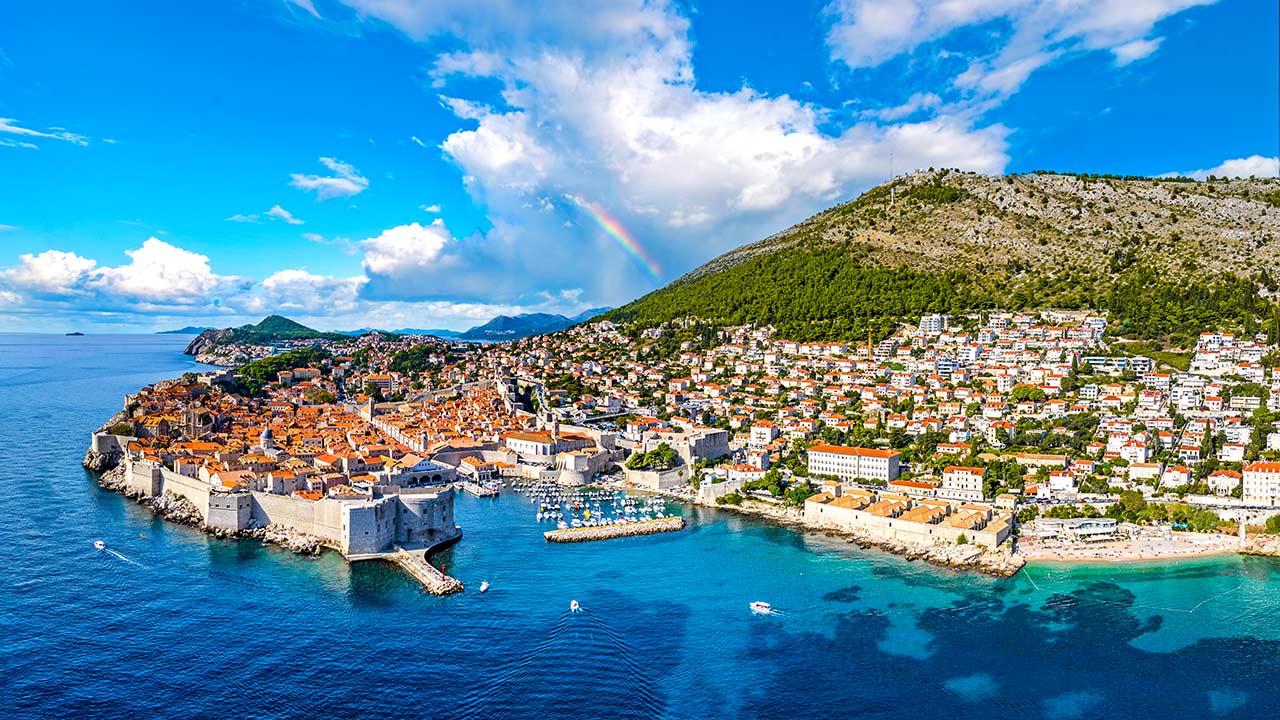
{"x":734,"y":404}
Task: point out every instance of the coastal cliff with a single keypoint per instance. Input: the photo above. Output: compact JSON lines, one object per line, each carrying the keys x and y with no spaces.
{"x":207,"y":340}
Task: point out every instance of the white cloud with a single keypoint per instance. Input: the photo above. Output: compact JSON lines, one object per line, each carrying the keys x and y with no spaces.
{"x":290,"y":290}
{"x":10,"y":126}
{"x":599,"y":101}
{"x":157,"y":275}
{"x":1136,"y":50}
{"x":18,"y":144}
{"x":1252,"y":166}
{"x":345,"y":182}
{"x":434,"y":209}
{"x":403,"y":261}
{"x":914,"y":104}
{"x":163,"y":282}
{"x":306,"y":5}
{"x":868,"y":33}
{"x":416,"y":141}
{"x":276,"y":212}
{"x":162,"y":273}
{"x":52,"y":272}
{"x":281,"y":214}
{"x":8,"y":227}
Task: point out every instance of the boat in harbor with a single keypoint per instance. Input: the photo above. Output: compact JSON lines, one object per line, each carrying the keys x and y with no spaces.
{"x":484,"y":586}
{"x":99,"y":545}
{"x":761,"y":608}
{"x":574,"y":606}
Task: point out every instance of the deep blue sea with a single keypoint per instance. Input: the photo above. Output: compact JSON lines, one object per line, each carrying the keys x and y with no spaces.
{"x":179,"y":625}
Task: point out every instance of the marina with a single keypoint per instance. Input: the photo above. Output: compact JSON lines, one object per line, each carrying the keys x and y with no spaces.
{"x":671,"y":523}
{"x":480,"y":490}
{"x":590,"y":507}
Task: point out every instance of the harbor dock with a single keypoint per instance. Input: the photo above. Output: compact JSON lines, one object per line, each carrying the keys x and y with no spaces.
{"x":670,"y":523}
{"x":480,"y":490}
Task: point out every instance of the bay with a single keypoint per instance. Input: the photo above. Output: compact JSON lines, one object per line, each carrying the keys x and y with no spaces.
{"x":175,"y":624}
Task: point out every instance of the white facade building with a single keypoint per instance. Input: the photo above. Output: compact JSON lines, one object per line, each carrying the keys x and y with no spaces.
{"x":849,"y":463}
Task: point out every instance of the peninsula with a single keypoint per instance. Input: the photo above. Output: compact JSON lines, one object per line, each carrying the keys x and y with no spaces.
{"x":840,"y":376}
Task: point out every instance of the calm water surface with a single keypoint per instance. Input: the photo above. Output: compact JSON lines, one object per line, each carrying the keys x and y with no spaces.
{"x":179,"y":625}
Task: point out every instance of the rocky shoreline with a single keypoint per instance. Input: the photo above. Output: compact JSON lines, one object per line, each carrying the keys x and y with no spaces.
{"x":100,"y":462}
{"x":1001,"y":562}
{"x":182,"y":511}
{"x":1261,"y":545}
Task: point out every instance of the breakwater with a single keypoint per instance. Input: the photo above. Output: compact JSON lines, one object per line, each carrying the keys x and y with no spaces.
{"x":432,"y":578}
{"x":608,"y":532}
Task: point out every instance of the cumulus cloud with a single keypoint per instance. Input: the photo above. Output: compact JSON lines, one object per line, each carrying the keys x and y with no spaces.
{"x":868,"y":33}
{"x":9,"y":126}
{"x":52,"y":272}
{"x":164,"y":281}
{"x":157,"y":275}
{"x":1252,"y":166}
{"x":346,"y":181}
{"x":599,"y":101}
{"x":290,"y":290}
{"x":418,"y":262}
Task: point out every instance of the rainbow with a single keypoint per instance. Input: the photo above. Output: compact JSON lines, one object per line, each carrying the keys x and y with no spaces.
{"x":615,"y":230}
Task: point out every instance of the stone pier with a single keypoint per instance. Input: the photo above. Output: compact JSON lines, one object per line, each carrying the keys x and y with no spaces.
{"x":415,"y":563}
{"x":606,"y":532}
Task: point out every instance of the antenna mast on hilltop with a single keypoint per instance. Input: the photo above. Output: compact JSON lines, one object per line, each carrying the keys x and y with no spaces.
{"x":892,"y":189}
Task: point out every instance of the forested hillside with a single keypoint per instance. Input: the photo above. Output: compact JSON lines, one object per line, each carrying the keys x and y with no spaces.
{"x":1166,"y":258}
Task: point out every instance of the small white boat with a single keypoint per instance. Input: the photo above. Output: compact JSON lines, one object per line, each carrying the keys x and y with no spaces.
{"x":484,"y":586}
{"x":574,"y":606}
{"x":99,"y":545}
{"x":761,"y":608}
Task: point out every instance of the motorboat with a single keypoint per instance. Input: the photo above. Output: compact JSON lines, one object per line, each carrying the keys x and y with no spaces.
{"x":761,"y":608}
{"x":574,"y":606}
{"x":99,"y":545}
{"x":484,"y":586}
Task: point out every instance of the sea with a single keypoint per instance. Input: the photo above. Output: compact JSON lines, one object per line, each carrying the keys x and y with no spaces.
{"x":171,"y":623}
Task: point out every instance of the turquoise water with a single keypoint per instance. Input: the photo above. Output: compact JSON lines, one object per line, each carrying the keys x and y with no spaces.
{"x":181,"y":625}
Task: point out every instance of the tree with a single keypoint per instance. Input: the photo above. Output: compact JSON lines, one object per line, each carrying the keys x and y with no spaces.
{"x":319,"y":396}
{"x":1273,"y":525}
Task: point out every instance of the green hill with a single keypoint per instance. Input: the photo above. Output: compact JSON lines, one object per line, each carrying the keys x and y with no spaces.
{"x":1167,"y":258}
{"x":272,"y":329}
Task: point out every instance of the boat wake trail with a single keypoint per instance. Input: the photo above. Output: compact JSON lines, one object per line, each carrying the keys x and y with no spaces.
{"x":120,"y":556}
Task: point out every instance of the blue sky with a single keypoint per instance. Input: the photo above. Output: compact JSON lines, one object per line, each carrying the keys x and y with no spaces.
{"x":397,"y":163}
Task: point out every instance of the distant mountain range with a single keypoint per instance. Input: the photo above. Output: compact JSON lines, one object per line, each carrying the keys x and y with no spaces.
{"x":440,"y":333}
{"x":507,"y":327}
{"x":502,"y":327}
{"x":277,"y":328}
{"x":188,"y":330}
